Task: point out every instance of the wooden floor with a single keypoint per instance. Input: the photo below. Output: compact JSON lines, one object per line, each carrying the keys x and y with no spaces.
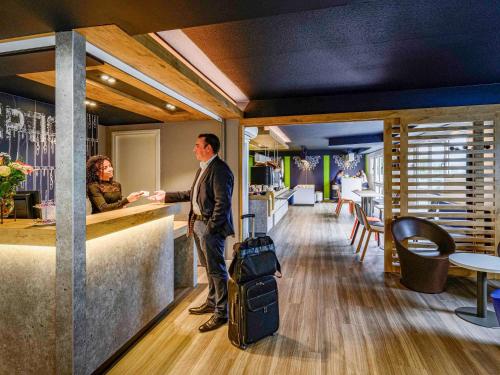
{"x":337,"y":317}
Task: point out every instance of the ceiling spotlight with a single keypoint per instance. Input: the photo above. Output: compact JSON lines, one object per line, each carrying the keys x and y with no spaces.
{"x":90,"y":103}
{"x":171,"y":107}
{"x":107,"y":78}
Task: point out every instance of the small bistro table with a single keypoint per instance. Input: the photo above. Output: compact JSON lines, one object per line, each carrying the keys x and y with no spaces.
{"x":367,"y":197}
{"x":481,"y":263}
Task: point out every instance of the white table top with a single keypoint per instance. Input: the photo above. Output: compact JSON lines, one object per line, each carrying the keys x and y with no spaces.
{"x":367,"y":193}
{"x":476,"y":262}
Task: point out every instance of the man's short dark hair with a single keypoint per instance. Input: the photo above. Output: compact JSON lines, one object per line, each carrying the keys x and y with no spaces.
{"x":212,"y":140}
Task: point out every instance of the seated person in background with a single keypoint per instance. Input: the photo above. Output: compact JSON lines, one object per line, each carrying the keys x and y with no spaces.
{"x":364,"y":180}
{"x":337,"y":181}
{"x":104,"y":193}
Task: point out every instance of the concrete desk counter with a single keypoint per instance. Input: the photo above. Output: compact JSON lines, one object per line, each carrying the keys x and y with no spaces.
{"x":129,"y":281}
{"x":269,"y":209}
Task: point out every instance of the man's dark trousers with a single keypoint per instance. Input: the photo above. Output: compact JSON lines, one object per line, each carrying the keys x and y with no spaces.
{"x":210,"y":247}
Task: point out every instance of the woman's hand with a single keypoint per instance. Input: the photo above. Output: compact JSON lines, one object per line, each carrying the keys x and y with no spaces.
{"x":134,"y":196}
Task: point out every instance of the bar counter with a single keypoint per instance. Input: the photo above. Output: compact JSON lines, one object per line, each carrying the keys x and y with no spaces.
{"x":129,"y":281}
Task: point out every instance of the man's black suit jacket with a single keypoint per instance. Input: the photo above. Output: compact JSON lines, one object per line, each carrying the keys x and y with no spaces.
{"x":214,"y":197}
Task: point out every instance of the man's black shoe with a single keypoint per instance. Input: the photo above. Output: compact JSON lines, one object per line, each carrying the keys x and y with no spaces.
{"x":203,"y":309}
{"x":213,"y":323}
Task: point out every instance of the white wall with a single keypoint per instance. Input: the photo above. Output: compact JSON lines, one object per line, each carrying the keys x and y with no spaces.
{"x":178,"y":164}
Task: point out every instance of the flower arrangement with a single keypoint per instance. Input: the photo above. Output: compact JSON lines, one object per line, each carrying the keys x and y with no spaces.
{"x":12,"y":174}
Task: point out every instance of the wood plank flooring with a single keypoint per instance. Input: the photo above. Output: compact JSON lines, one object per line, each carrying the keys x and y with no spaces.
{"x":338,"y":316}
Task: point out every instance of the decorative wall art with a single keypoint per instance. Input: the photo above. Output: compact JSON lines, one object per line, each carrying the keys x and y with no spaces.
{"x":308,"y":163}
{"x":27,"y":132}
{"x":344,"y":163}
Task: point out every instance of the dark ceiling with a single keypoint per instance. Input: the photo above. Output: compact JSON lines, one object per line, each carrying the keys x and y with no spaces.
{"x":363,"y":46}
{"x":27,"y":17}
{"x":315,"y":136}
{"x":320,"y":56}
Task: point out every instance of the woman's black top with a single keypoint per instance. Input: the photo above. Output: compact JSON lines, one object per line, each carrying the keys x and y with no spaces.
{"x":105,"y":196}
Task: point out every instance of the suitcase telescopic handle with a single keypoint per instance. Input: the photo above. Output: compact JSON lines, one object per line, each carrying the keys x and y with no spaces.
{"x":252,"y":219}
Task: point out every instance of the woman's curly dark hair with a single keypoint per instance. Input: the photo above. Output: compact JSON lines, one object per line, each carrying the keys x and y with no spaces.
{"x":94,"y":166}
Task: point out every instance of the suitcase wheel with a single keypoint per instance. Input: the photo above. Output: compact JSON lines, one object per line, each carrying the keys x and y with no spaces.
{"x":275,"y":333}
{"x":243,"y":347}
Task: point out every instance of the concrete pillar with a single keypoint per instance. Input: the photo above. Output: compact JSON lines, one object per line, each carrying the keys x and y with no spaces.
{"x":70,"y":203}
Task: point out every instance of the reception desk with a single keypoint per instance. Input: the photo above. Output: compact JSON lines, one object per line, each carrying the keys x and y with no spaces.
{"x":129,"y":281}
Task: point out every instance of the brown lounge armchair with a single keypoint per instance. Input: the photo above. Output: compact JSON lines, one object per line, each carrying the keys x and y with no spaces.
{"x":423,"y":273}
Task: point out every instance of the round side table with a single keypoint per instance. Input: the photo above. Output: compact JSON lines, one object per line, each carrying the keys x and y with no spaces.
{"x":483,"y":264}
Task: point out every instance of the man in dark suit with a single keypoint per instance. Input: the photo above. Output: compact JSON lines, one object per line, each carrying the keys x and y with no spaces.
{"x":210,"y":222}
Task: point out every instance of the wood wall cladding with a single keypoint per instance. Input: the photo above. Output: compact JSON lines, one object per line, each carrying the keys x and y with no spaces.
{"x":446,"y":172}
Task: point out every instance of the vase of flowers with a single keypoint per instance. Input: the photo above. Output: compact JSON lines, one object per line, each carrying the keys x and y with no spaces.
{"x":12,"y":174}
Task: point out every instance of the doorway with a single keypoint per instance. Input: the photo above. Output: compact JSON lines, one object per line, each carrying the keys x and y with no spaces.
{"x":139,"y":151}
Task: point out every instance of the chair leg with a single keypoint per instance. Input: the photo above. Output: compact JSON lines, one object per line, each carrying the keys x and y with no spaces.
{"x":366,"y":246}
{"x":378,"y":239}
{"x":355,"y":233}
{"x":339,"y":207}
{"x":361,"y":240}
{"x":351,"y":208}
{"x":377,"y":236}
{"x":354,"y":228}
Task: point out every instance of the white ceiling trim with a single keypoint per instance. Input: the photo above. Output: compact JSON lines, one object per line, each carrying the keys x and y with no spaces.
{"x":184,"y":46}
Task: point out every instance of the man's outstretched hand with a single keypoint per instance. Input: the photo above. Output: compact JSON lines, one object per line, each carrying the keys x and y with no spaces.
{"x":158,"y":196}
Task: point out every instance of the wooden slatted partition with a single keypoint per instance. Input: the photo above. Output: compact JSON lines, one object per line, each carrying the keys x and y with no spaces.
{"x":444,"y":172}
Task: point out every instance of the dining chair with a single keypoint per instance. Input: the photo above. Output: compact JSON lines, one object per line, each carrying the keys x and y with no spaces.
{"x":341,"y":202}
{"x":357,"y":223}
{"x":376,"y":227}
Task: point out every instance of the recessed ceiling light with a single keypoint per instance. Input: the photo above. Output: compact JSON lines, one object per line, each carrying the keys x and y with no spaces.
{"x":90,"y":103}
{"x":171,"y":107}
{"x":104,"y":77}
{"x":111,"y":80}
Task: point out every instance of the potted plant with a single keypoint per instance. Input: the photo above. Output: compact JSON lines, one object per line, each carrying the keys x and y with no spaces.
{"x":12,"y":174}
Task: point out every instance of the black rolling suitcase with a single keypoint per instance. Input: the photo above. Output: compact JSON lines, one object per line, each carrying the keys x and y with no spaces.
{"x":253,"y":310}
{"x":253,"y":302}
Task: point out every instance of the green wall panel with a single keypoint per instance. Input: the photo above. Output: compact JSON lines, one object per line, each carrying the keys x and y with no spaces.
{"x":326,"y":177}
{"x":250,"y":165}
{"x":286,"y":172}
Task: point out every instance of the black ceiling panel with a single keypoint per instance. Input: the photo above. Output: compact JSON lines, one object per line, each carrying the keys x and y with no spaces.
{"x":27,"y":17}
{"x":33,"y":61}
{"x":364,"y":46}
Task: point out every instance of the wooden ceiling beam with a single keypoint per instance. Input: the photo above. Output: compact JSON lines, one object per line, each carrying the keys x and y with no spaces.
{"x":148,"y":56}
{"x":108,"y":95}
{"x":126,"y":78}
{"x":442,"y":114}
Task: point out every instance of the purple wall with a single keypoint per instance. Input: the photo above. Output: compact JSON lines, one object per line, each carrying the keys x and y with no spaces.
{"x":298,"y":177}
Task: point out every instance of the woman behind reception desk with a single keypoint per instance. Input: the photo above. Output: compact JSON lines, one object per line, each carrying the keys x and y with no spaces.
{"x":104,"y":193}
